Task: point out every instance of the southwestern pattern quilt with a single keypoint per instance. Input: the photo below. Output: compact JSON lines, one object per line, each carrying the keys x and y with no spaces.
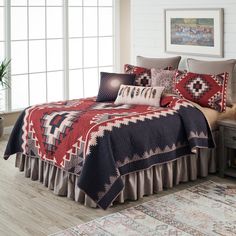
{"x":100,"y":142}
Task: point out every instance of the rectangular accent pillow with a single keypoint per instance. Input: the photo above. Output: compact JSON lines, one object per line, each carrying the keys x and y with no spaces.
{"x":204,"y":89}
{"x":213,"y":68}
{"x":110,"y":85}
{"x":158,"y":63}
{"x":142,"y":75}
{"x":163,"y":78}
{"x":139,"y":95}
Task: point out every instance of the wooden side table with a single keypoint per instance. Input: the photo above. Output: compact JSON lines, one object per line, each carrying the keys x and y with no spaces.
{"x":227,"y":147}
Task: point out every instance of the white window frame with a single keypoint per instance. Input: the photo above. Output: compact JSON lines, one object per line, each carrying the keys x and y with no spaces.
{"x":66,"y":69}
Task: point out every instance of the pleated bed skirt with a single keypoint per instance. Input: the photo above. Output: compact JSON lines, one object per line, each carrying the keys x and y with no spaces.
{"x":137,"y":185}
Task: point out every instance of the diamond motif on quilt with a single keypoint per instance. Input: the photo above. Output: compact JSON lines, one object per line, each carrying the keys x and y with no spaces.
{"x":197,"y":87}
{"x":108,"y":106}
{"x":99,"y":118}
{"x":56,"y":126}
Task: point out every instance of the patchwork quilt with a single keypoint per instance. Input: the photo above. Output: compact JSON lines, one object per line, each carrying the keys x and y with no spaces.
{"x":100,"y":142}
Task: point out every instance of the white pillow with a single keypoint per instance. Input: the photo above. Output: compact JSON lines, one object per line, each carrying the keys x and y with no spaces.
{"x":139,"y":95}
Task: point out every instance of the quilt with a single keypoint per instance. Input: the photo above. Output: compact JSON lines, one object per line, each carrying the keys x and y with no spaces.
{"x":100,"y":142}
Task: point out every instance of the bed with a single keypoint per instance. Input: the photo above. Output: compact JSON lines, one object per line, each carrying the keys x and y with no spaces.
{"x":97,"y":153}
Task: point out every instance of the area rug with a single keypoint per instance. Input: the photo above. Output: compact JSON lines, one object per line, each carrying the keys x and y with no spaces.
{"x":205,"y":209}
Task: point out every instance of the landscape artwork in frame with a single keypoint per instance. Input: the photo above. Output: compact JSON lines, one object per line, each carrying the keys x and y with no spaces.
{"x":194,"y":31}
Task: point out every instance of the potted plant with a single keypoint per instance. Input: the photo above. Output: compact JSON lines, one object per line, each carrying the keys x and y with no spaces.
{"x":4,"y":83}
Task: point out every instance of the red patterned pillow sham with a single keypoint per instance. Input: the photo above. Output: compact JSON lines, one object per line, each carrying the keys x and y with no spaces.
{"x":143,"y":75}
{"x":206,"y":90}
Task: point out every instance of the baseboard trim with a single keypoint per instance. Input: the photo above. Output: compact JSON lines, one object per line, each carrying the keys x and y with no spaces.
{"x":7,"y":130}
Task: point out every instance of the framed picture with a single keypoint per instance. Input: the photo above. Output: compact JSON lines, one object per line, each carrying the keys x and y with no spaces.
{"x":194,"y":31}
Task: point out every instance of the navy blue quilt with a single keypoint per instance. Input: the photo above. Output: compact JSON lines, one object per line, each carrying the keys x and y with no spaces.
{"x":100,"y":142}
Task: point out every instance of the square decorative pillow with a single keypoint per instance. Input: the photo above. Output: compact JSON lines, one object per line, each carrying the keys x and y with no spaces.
{"x":110,"y":84}
{"x":143,"y":75}
{"x":206,"y":90}
{"x":163,"y":78}
{"x":139,"y":95}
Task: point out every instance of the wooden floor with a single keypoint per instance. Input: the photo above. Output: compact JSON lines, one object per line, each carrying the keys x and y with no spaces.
{"x":28,"y":208}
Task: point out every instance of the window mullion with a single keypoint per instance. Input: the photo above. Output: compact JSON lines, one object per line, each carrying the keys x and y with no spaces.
{"x":28,"y":53}
{"x":7,"y":24}
{"x":116,"y":35}
{"x":83,"y":47}
{"x":46,"y":51}
{"x":65,"y":50}
{"x":98,"y":49}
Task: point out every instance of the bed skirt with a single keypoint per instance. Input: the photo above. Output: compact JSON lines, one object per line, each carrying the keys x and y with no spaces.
{"x":137,"y":185}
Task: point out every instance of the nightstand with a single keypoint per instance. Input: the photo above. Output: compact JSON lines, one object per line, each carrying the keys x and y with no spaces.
{"x":227,"y":147}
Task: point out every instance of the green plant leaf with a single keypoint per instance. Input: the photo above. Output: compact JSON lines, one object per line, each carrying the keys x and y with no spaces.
{"x":4,"y":79}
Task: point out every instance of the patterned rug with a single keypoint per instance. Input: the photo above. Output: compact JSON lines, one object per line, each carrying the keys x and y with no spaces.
{"x":205,"y":209}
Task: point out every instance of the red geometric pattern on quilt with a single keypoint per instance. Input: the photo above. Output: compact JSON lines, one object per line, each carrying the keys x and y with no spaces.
{"x":55,"y":127}
{"x":206,"y":90}
{"x":101,"y":142}
{"x":57,"y":131}
{"x":143,"y":75}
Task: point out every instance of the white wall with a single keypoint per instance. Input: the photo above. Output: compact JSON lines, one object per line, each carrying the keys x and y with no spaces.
{"x":147,"y":24}
{"x":125,"y":31}
{"x":147,"y":19}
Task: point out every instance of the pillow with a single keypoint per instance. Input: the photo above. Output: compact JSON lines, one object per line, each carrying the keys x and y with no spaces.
{"x":142,"y":75}
{"x":163,"y":78}
{"x":139,"y":95}
{"x":214,"y":67}
{"x":206,"y":90}
{"x":110,"y":84}
{"x":158,"y":63}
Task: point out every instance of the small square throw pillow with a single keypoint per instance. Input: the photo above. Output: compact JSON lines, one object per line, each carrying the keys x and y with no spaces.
{"x":206,"y":90}
{"x":142,"y":75}
{"x":110,"y":84}
{"x":139,"y":95}
{"x":163,"y":78}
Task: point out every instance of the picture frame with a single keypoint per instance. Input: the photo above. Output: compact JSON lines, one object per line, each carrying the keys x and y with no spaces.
{"x":194,"y":31}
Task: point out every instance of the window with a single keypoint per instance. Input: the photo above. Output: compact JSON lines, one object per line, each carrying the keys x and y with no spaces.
{"x":2,"y":43}
{"x":57,"y":49}
{"x":90,"y":26}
